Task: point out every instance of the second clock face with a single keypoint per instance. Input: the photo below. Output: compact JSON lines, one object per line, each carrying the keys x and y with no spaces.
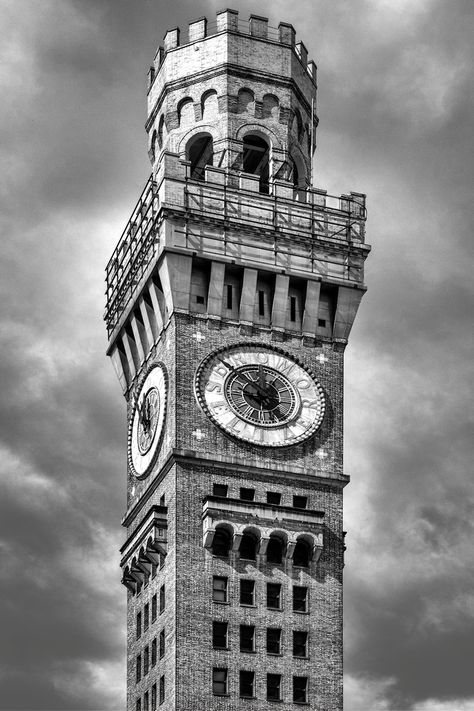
{"x":260,"y":395}
{"x":147,"y":422}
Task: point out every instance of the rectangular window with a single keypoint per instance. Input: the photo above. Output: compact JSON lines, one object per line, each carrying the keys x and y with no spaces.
{"x":247,"y":494}
{"x":300,"y":502}
{"x":292,"y":308}
{"x":138,"y":705}
{"x":247,"y":592}
{"x":138,"y":668}
{"x":300,"y":599}
{"x":162,"y":599}
{"x":154,"y":568}
{"x":274,"y":596}
{"x":246,"y":684}
{"x":153,"y":653}
{"x":261,"y":303}
{"x":247,"y":638}
{"x":300,"y":689}
{"x":219,"y":589}
{"x":322,"y":322}
{"x":146,"y":616}
{"x":162,"y":644}
{"x":153,"y":608}
{"x":153,"y":697}
{"x":300,"y":644}
{"x":199,"y":299}
{"x":146,"y":706}
{"x":162,"y":689}
{"x":219,"y":635}
{"x":273,"y":497}
{"x":146,"y":661}
{"x":139,"y":625}
{"x":274,"y":687}
{"x":273,"y":640}
{"x":229,"y":296}
{"x":162,"y":500}
{"x":219,"y":490}
{"x":219,"y":682}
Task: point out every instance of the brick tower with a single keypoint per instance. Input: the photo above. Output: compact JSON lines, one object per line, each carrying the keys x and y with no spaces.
{"x":230,"y":298}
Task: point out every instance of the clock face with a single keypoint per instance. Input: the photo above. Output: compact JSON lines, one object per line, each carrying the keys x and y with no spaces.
{"x":147,"y":422}
{"x":260,"y":395}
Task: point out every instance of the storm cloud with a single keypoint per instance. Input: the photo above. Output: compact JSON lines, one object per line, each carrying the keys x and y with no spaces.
{"x":396,"y":112}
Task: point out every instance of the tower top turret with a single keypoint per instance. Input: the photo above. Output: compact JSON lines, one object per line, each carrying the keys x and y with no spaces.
{"x":237,"y":95}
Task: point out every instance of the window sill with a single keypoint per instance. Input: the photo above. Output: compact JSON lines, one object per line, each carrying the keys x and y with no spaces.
{"x":275,"y":701}
{"x":224,"y":695}
{"x":274,"y":609}
{"x":244,"y":604}
{"x":248,"y":651}
{"x":221,"y":602}
{"x":275,"y":654}
{"x":301,"y":612}
{"x":221,"y":649}
{"x":249,"y":698}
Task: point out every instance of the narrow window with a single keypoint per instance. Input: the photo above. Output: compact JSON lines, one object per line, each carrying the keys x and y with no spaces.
{"x":300,"y":689}
{"x":153,"y":608}
{"x":247,"y":638}
{"x":300,"y":644}
{"x":273,"y":640}
{"x":219,"y":682}
{"x":219,"y":589}
{"x":153,"y":653}
{"x":273,"y":497}
{"x":199,"y":299}
{"x":154,"y":568}
{"x":229,"y":296}
{"x":300,"y":502}
{"x":153,"y":697}
{"x":162,"y":560}
{"x":248,"y":547}
{"x":261,"y":303}
{"x":162,"y":500}
{"x":221,"y":543}
{"x":246,"y":684}
{"x":274,"y":550}
{"x":162,"y":599}
{"x":146,"y":705}
{"x":219,"y":635}
{"x":273,"y":687}
{"x":138,"y":668}
{"x":139,"y":625}
{"x":322,"y":322}
{"x":162,"y":644}
{"x":247,"y":592}
{"x":292,"y":308}
{"x":300,"y":599}
{"x":301,"y":554}
{"x":146,"y":661}
{"x":146,"y":616}
{"x":247,"y":494}
{"x":219,"y":490}
{"x":162,"y":689}
{"x":138,"y":705}
{"x":274,"y":596}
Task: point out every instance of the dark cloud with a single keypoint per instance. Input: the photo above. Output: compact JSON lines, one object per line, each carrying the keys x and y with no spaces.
{"x":395,"y":105}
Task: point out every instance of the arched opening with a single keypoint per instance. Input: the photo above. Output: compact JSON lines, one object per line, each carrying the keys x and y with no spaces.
{"x":245,"y":101}
{"x":256,"y":160}
{"x":186,"y":112}
{"x":209,"y":108}
{"x":200,"y":152}
{"x":270,"y":105}
{"x":248,"y":547}
{"x":274,"y":550}
{"x":301,"y":554}
{"x":221,"y":543}
{"x":161,"y":128}
{"x":152,"y":151}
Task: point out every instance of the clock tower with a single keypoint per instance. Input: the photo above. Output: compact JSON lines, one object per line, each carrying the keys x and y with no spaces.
{"x":230,"y":298}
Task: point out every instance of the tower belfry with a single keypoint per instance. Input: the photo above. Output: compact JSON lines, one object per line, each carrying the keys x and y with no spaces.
{"x":230,"y":298}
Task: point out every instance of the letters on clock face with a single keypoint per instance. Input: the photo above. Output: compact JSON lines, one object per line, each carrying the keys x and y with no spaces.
{"x":260,"y":395}
{"x":147,"y":422}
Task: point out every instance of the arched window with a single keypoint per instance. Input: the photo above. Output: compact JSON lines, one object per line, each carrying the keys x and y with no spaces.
{"x":248,"y":547}
{"x":161,"y":129}
{"x":221,"y":543}
{"x":152,"y":151}
{"x":256,"y":157}
{"x":270,"y":105}
{"x":200,"y":152}
{"x":274,"y":550}
{"x":245,"y":101}
{"x":186,"y":112}
{"x":301,"y":554}
{"x":209,"y":105}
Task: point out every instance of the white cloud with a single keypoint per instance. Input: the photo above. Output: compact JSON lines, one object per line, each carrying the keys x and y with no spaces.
{"x":365,"y":694}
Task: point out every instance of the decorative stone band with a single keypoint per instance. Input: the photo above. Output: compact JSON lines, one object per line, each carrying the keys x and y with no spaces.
{"x":263,"y":522}
{"x":144,"y":548}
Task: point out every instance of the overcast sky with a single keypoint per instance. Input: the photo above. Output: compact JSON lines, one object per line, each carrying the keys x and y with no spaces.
{"x":396,"y":120}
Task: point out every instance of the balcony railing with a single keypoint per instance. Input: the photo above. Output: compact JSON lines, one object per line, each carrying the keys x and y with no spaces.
{"x":320,"y":217}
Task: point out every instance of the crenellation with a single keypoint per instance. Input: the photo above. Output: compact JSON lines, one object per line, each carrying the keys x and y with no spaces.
{"x":258,"y":26}
{"x":171,"y":39}
{"x":197,"y":29}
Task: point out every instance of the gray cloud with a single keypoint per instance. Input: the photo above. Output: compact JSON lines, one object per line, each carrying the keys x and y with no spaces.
{"x":395,"y":104}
